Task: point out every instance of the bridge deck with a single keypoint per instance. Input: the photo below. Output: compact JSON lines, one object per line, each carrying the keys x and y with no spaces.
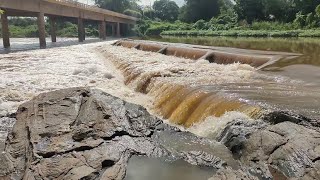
{"x":66,"y":8}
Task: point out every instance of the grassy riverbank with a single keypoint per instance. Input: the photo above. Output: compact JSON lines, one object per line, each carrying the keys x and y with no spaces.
{"x":246,"y":33}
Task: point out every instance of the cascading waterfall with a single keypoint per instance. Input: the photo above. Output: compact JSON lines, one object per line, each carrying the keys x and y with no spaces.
{"x":201,"y":95}
{"x":177,"y":87}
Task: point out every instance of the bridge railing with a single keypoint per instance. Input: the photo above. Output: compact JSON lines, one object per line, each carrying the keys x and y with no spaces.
{"x":76,"y":4}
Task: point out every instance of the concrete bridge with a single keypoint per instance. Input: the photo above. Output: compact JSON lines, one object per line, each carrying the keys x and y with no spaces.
{"x":61,"y":8}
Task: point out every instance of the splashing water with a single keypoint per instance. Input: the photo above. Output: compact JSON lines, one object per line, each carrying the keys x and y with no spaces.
{"x":188,"y":92}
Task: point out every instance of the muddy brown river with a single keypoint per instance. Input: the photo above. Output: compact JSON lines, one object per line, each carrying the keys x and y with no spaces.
{"x":293,"y":84}
{"x":200,"y":97}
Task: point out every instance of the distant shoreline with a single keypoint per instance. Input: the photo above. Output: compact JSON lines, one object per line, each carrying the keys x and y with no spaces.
{"x":246,"y":33}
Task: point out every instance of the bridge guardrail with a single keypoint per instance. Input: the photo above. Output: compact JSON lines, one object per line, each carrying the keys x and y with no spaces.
{"x":76,"y":4}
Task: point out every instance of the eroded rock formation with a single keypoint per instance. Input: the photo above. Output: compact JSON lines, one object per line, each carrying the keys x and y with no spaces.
{"x":280,"y":151}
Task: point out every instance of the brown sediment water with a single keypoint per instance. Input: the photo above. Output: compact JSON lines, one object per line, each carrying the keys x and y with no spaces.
{"x":203,"y":87}
{"x":184,"y":103}
{"x":187,"y":106}
{"x":212,"y":54}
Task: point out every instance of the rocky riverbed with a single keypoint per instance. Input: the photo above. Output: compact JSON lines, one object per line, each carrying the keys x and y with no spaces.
{"x":83,"y":133}
{"x":99,"y":128}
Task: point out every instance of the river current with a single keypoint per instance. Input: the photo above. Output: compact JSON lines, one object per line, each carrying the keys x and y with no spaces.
{"x":197,"y":96}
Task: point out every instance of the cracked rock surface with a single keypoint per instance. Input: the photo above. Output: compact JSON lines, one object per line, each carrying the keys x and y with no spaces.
{"x":283,"y":150}
{"x":82,"y":133}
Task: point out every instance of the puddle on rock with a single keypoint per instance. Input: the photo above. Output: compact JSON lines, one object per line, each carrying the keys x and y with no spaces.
{"x":144,"y":168}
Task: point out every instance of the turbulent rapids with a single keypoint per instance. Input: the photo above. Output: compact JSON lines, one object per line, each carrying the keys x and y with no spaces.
{"x":191,"y":90}
{"x":215,"y":114}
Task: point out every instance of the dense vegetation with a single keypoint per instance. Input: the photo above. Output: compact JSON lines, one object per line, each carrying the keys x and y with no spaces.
{"x":259,"y":18}
{"x":66,"y":27}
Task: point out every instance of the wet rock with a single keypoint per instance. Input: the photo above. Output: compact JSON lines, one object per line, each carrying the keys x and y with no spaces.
{"x":196,"y":150}
{"x":6,"y":124}
{"x":236,"y":132}
{"x":280,"y":150}
{"x":227,"y":174}
{"x":81,"y":133}
{"x":277,"y":117}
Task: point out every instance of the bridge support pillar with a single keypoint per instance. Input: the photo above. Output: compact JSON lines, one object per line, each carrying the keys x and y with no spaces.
{"x":53,"y":29}
{"x":118,"y":29}
{"x":84,"y":31}
{"x":113,"y":30}
{"x":42,"y":30}
{"x":5,"y":30}
{"x":127,"y":30}
{"x":99,"y":28}
{"x":81,"y":30}
{"x":103,"y":30}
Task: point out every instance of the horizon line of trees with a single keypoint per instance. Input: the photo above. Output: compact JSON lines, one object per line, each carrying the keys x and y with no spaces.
{"x":215,"y":15}
{"x":206,"y":15}
{"x":194,"y":10}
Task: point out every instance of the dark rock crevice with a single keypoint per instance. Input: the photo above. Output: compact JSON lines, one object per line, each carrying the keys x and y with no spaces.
{"x":316,"y":159}
{"x":76,"y":149}
{"x":278,"y":147}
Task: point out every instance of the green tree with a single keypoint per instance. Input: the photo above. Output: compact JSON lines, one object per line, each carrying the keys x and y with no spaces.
{"x":133,"y":13}
{"x":166,"y":10}
{"x":149,"y":13}
{"x":305,"y":6}
{"x":250,"y":10}
{"x":300,"y":20}
{"x":274,"y":9}
{"x":318,"y":10}
{"x":201,"y":25}
{"x":194,"y":10}
{"x":118,"y":5}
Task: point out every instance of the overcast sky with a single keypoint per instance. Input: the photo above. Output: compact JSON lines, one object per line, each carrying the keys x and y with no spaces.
{"x":142,"y":2}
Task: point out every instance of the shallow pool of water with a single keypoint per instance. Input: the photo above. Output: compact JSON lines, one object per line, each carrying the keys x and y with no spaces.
{"x":143,"y":168}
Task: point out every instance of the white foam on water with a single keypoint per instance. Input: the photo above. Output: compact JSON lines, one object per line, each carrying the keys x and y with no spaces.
{"x":211,"y":126}
{"x":28,"y":73}
{"x":256,"y":88}
{"x":178,"y":70}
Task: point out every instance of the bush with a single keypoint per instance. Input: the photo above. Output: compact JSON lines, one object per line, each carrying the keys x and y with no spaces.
{"x":266,"y":25}
{"x":92,"y":32}
{"x":28,"y":31}
{"x":309,"y":33}
{"x":154,"y":28}
{"x":246,"y":33}
{"x":149,"y":13}
{"x":201,"y":24}
{"x":69,"y":30}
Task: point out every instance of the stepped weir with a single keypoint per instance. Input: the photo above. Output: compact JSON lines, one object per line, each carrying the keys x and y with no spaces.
{"x":190,"y":90}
